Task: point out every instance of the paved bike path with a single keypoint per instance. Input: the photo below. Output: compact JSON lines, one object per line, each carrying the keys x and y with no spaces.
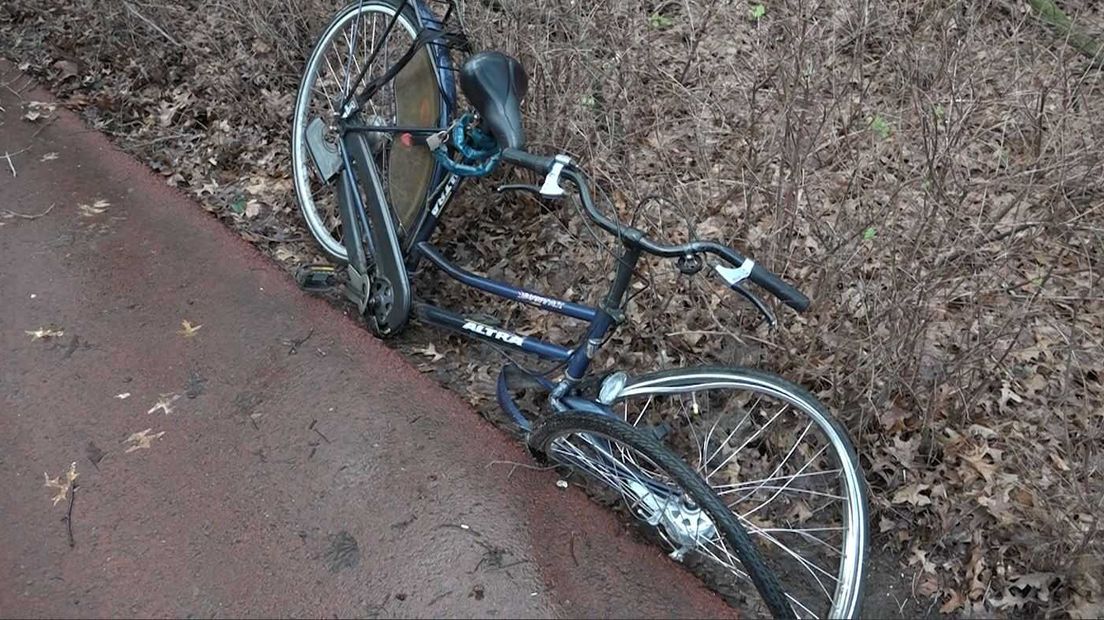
{"x":332,"y":480}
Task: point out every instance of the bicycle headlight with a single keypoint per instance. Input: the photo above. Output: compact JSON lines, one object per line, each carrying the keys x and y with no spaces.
{"x":611,"y":387}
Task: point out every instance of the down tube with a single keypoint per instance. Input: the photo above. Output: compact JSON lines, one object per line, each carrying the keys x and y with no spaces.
{"x":444,"y":318}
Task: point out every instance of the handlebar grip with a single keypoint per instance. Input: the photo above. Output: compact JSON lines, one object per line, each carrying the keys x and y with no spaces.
{"x":541,"y":164}
{"x":775,"y":286}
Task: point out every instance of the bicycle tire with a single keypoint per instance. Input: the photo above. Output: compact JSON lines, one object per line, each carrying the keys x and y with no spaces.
{"x":853,"y":503}
{"x":559,"y":425}
{"x":409,"y":171}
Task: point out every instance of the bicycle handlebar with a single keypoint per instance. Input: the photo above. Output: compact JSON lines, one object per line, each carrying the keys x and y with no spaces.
{"x":760,"y":275}
{"x":537,"y":163}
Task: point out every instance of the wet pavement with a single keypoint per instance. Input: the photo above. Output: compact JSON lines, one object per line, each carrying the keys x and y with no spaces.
{"x":280,"y":461}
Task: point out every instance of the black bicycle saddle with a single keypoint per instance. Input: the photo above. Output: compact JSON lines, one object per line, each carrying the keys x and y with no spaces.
{"x":495,"y":84}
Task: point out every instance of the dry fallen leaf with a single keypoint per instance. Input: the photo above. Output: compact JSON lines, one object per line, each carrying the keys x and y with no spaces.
{"x":94,"y":209}
{"x":913,"y":494}
{"x":66,"y":69}
{"x":43,"y":333}
{"x":187,"y":329}
{"x":164,"y":404}
{"x":37,"y":110}
{"x":257,"y":186}
{"x":61,"y":486}
{"x":141,"y":440}
{"x":431,"y":351}
{"x":955,"y":600}
{"x":286,"y":255}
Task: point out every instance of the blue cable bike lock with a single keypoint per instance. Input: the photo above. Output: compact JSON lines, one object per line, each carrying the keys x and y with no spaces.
{"x":479,"y":155}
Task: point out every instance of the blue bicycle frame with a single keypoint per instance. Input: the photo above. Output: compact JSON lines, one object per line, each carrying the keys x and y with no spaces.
{"x":381,"y":237}
{"x":371,"y":231}
{"x":600,"y":321}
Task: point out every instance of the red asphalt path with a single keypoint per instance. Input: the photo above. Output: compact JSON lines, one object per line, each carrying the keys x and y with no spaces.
{"x":335,"y":481}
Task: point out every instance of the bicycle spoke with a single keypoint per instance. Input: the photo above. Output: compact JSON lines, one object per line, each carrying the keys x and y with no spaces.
{"x":336,"y":77}
{"x":781,"y":469}
{"x":732,"y":564}
{"x":776,"y":493}
{"x":783,"y":488}
{"x":616,"y":478}
{"x":690,"y":424}
{"x":326,"y":94}
{"x":757,"y":434}
{"x":643,"y":410}
{"x":702,"y":458}
{"x":352,"y":39}
{"x":793,"y":449}
{"x":806,"y":535}
{"x":731,"y":488}
{"x":727,"y":439}
{"x":613,"y":477}
{"x":365,"y":39}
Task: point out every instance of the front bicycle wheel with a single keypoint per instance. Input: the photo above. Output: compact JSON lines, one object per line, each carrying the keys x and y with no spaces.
{"x":415,"y":97}
{"x":783,"y":466}
{"x":658,"y":488}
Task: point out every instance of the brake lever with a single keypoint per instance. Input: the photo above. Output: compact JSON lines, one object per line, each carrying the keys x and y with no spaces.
{"x":734,"y":277}
{"x":758,"y":303}
{"x":521,"y":187}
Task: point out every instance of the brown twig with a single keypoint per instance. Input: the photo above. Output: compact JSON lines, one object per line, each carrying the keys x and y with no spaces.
{"x":34,"y":216}
{"x":13,"y":91}
{"x":69,"y":515}
{"x":7,"y":156}
{"x":151,"y":24}
{"x":318,"y":432}
{"x":295,"y":343}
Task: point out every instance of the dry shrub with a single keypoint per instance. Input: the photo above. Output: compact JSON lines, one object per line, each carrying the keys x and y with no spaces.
{"x":930,"y":172}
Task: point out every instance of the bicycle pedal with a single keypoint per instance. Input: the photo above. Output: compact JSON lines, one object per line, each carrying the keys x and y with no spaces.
{"x":316,"y":278}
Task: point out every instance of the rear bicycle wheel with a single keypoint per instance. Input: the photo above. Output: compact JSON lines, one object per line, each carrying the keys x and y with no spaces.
{"x":658,"y":488}
{"x":416,"y":97}
{"x":781,"y":464}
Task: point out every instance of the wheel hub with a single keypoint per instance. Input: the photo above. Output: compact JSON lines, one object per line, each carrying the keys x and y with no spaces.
{"x":685,"y":524}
